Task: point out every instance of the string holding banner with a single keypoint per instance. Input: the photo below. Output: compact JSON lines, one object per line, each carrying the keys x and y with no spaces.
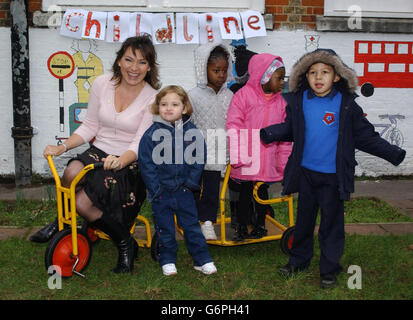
{"x":180,"y":28}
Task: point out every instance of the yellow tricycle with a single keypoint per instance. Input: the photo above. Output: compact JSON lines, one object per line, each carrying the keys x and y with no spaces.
{"x":277,"y":231}
{"x":70,"y":249}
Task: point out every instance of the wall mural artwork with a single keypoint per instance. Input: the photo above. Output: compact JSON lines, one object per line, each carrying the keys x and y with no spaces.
{"x":84,"y":66}
{"x":311,"y":42}
{"x":87,"y":66}
{"x":386,"y":64}
{"x":61,"y":66}
{"x":388,"y":129}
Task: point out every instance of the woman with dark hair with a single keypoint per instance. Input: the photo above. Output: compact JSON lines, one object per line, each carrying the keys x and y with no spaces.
{"x":117,"y":117}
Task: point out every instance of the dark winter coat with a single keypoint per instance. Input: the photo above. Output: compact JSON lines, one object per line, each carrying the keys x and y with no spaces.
{"x":164,"y":151}
{"x":355,"y":131}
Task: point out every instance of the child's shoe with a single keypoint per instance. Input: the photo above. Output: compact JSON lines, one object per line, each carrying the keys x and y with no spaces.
{"x":257,"y":233}
{"x":169,"y":269}
{"x":241,"y":233}
{"x":289,"y":270}
{"x":208,"y":231}
{"x":207,"y":268}
{"x":329,"y":280}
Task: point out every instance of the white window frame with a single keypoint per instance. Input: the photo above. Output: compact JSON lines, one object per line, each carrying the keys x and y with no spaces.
{"x":156,"y":5}
{"x":369,"y":8}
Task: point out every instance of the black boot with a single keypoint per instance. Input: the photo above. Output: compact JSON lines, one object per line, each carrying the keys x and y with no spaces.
{"x":127,"y":246}
{"x":46,"y":233}
{"x":241,"y":233}
{"x":258,"y":232}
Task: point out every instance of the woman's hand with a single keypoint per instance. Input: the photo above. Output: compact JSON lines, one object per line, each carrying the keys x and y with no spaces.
{"x":112,"y":162}
{"x":51,"y":150}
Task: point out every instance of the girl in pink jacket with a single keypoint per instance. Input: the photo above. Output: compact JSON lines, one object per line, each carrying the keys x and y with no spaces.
{"x":258,"y":104}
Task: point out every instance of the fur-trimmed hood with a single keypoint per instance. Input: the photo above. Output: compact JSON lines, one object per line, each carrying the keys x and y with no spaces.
{"x":297,"y":79}
{"x":201,"y":56}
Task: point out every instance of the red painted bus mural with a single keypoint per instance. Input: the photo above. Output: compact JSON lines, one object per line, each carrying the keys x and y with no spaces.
{"x":387,"y":64}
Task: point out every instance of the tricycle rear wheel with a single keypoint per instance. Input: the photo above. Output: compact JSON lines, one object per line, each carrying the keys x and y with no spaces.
{"x":287,"y":240}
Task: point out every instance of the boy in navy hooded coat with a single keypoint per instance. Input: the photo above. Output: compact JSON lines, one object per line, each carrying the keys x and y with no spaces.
{"x":326,"y":125}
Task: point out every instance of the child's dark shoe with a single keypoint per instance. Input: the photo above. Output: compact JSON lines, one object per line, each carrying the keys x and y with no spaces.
{"x":241,"y":233}
{"x":329,"y":280}
{"x":289,"y":270}
{"x":257,"y":233}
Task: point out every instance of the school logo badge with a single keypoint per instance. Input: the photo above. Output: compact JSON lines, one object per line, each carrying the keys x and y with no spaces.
{"x":328,"y":118}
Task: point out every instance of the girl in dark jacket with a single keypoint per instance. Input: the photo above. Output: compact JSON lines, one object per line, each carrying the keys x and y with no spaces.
{"x":171,"y":158}
{"x":326,"y":125}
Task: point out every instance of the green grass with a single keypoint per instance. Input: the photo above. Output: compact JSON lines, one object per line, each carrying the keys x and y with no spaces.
{"x":25,"y":213}
{"x":357,"y":210}
{"x":244,"y":273}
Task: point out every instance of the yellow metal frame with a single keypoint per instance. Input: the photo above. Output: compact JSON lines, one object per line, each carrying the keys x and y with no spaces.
{"x":66,"y":216}
{"x":222,"y":220}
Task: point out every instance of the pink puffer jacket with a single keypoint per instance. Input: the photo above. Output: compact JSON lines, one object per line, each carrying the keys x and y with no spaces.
{"x":248,"y":112}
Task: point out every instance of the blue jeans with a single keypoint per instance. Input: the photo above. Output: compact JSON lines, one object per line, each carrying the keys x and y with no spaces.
{"x":182,"y":203}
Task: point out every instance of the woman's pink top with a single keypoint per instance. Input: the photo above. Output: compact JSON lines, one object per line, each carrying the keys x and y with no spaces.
{"x":116,"y":132}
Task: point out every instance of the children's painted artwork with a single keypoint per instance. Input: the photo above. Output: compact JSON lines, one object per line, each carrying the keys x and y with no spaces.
{"x":164,"y":28}
{"x":117,"y":27}
{"x":187,"y":30}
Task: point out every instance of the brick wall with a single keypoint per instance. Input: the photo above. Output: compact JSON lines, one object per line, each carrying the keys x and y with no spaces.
{"x":295,"y":14}
{"x":5,"y":18}
{"x":34,"y":5}
{"x":288,"y":14}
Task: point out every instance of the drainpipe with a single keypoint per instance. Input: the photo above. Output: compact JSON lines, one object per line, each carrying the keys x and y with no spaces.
{"x":22,"y":131}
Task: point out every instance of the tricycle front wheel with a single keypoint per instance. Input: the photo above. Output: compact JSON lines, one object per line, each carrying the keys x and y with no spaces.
{"x":59,"y":252}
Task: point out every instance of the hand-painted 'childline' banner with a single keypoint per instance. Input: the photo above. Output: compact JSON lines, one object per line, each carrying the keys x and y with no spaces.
{"x":180,"y":28}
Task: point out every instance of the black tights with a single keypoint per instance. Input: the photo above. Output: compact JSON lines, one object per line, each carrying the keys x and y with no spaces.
{"x":246,"y":202}
{"x":84,"y":205}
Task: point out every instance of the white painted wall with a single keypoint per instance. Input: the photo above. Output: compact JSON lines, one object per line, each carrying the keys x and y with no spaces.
{"x":6,"y":105}
{"x":176,"y":67}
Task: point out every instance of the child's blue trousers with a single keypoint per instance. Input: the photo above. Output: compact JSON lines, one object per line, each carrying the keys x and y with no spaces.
{"x":319,"y":190}
{"x":182,"y":203}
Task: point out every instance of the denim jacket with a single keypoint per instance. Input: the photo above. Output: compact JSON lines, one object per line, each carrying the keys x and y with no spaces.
{"x":171,"y":156}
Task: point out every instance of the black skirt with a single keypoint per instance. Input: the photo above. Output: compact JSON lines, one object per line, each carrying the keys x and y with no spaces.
{"x":117,"y":193}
